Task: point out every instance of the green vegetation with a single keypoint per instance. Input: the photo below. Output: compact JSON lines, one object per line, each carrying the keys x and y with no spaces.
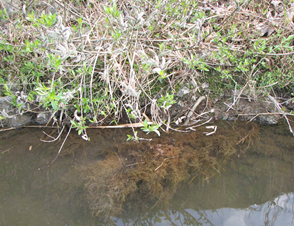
{"x":107,"y":59}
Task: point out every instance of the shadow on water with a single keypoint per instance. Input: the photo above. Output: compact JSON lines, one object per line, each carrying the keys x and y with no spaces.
{"x":242,"y":173}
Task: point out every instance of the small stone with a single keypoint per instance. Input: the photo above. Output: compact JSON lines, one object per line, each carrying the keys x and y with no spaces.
{"x":52,"y":10}
{"x":224,"y":116}
{"x":42,"y":118}
{"x":183,"y":92}
{"x":5,"y":103}
{"x":18,"y":120}
{"x":290,"y":104}
{"x":205,"y":85}
{"x":268,"y":119}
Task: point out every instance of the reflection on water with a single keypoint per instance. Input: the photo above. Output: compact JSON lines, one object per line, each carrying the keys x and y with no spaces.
{"x":255,"y":187}
{"x":276,"y":212}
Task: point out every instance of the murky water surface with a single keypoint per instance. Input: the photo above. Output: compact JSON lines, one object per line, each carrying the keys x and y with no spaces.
{"x":241,"y":175}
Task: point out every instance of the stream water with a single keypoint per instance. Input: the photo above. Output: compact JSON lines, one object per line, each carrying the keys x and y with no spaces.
{"x":246,"y":178}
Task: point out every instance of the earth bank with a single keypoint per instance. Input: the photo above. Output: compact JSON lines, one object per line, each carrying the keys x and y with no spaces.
{"x":244,"y":109}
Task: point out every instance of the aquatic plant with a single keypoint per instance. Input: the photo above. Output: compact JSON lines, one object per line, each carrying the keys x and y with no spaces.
{"x":152,"y":171}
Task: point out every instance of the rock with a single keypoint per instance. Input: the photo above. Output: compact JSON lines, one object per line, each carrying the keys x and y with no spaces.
{"x":18,"y":120}
{"x":52,"y":10}
{"x":183,"y":92}
{"x":176,"y":109}
{"x":224,"y":116}
{"x":290,"y":104}
{"x":42,"y":118}
{"x":5,"y":104}
{"x":205,"y":85}
{"x":14,"y":87}
{"x":268,"y":119}
{"x":8,"y":110}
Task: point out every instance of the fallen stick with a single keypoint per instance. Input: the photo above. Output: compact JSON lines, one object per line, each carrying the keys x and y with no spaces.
{"x":267,"y":113}
{"x":121,"y":126}
{"x":129,"y":125}
{"x":193,"y":109}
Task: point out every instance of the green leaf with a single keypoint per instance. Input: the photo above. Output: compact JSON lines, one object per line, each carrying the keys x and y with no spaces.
{"x":289,"y":38}
{"x":54,"y":105}
{"x":145,"y":123}
{"x":129,"y":137}
{"x":146,"y":130}
{"x":74,"y":124}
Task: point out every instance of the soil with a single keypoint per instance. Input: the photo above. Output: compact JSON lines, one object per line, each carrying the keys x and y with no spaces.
{"x":244,"y":109}
{"x":221,"y":108}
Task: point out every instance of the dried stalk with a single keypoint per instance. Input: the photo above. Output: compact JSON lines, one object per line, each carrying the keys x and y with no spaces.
{"x":59,"y":149}
{"x":193,"y":109}
{"x":281,"y":111}
{"x":122,"y":126}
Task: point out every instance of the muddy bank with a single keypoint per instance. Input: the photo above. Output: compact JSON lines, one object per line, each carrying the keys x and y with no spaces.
{"x":222,"y":108}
